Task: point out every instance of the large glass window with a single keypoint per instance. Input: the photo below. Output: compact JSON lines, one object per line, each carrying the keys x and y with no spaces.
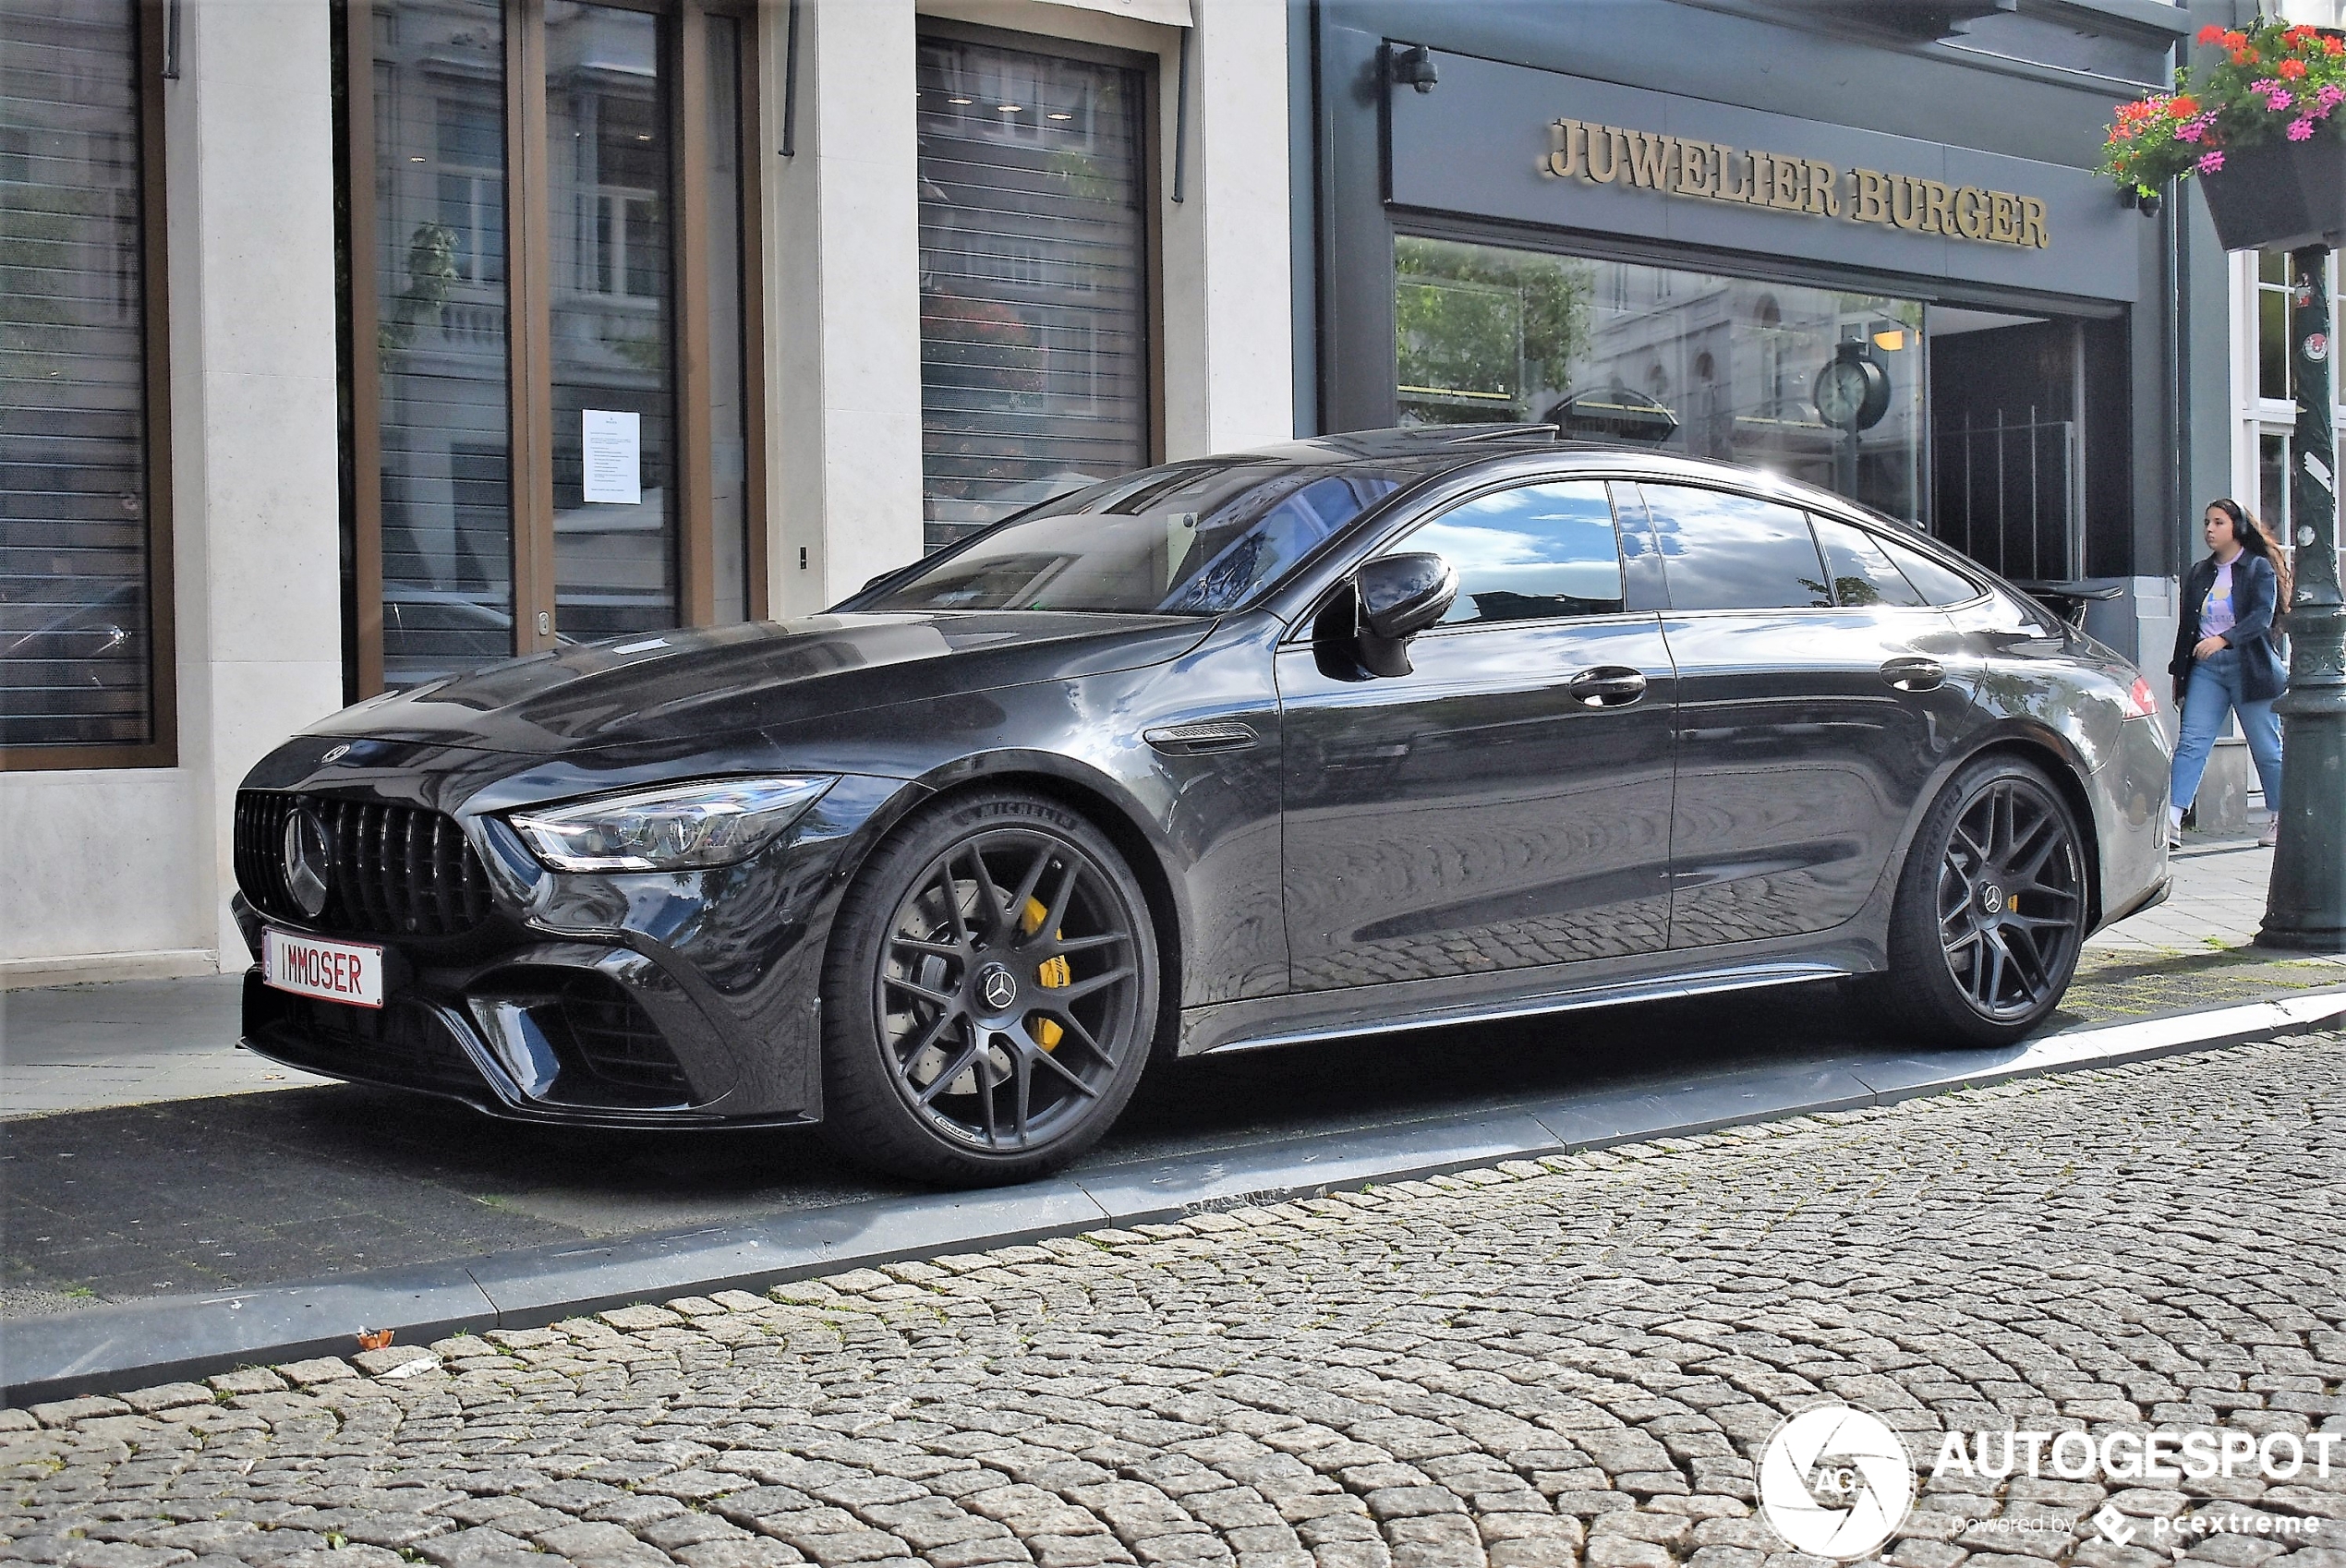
{"x":1034,"y":352}
{"x":609,"y":204}
{"x":83,"y":578}
{"x":1714,"y":367}
{"x":1528,"y":553}
{"x":554,"y":207}
{"x":445,"y":445}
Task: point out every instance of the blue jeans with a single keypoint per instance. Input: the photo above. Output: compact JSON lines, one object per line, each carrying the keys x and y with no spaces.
{"x":2215,"y":687}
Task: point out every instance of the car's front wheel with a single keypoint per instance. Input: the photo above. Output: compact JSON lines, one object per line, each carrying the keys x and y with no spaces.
{"x":1991,"y":910}
{"x":989,"y":995}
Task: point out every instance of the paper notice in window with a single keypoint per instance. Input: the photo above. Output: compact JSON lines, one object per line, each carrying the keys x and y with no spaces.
{"x":612,"y":456}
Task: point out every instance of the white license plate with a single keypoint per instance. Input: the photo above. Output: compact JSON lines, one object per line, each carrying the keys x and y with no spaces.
{"x":336,"y":972}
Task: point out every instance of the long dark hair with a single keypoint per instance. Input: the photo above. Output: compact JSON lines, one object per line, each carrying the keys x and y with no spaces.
{"x":2255,"y":541}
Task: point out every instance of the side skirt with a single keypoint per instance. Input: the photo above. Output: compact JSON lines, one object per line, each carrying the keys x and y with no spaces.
{"x":1358,"y":1014}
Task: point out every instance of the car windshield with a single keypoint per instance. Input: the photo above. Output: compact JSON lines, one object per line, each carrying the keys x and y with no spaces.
{"x":1191,"y":538}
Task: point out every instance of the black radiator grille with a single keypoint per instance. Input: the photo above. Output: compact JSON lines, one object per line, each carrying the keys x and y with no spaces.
{"x":398,"y":871}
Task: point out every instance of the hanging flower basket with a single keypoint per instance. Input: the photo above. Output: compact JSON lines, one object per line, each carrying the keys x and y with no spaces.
{"x":2281,"y":196}
{"x":2257,"y":121}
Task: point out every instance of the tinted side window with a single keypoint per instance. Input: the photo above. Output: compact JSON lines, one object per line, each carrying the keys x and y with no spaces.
{"x":1529,"y":553}
{"x":1726,"y":552}
{"x":1940,"y":585}
{"x":1861,"y":572}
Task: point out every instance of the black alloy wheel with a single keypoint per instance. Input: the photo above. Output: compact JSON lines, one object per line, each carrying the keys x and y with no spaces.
{"x":991,"y":995}
{"x":1991,"y":908}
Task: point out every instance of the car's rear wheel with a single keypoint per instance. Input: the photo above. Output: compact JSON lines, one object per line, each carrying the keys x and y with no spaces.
{"x":1990,"y":909}
{"x":989,"y":995}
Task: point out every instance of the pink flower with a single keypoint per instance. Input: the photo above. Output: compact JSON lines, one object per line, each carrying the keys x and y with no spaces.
{"x":2299,"y":130}
{"x":2329,"y":97}
{"x":2210,"y":161}
{"x":2279,"y":100}
{"x":2190,"y":130}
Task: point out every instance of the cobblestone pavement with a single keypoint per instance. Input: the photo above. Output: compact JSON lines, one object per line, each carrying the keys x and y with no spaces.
{"x":1570,"y":1364}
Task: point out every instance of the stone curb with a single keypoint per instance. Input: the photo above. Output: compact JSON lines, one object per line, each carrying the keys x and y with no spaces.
{"x":182,"y":1337}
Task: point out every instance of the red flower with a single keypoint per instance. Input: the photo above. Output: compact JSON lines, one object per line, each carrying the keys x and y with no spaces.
{"x":2233,"y":40}
{"x":2182,"y":106}
{"x":2210,"y":34}
{"x":2334,"y":46}
{"x":2292,"y":69}
{"x":2245,"y":56}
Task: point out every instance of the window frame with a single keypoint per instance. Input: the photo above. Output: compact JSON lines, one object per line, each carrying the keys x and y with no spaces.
{"x":160,"y":749}
{"x":529,"y":306}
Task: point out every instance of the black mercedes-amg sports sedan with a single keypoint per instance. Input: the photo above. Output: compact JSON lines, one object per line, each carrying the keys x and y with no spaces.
{"x":1357,"y":733}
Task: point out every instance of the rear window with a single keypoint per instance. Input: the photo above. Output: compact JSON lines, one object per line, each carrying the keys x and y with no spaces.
{"x":1862,"y":573}
{"x":1940,"y":585}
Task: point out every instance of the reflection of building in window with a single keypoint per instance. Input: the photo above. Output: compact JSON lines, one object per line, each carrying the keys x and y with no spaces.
{"x":1033,"y":280}
{"x":1486,"y":333}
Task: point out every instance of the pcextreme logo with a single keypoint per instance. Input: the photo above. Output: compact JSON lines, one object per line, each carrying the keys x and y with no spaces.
{"x":1834,"y":1482}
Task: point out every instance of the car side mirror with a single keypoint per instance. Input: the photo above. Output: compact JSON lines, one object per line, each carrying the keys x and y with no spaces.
{"x":1399,"y":597}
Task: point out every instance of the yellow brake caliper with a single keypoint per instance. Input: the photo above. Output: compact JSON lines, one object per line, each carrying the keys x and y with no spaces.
{"x":1052,"y":974}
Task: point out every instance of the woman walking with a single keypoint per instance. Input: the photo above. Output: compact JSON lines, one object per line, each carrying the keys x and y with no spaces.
{"x":2225,"y":660}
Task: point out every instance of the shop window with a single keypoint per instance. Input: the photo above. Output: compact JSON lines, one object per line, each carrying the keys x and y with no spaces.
{"x":85,"y":569}
{"x":1709,"y":365}
{"x":549,"y":359}
{"x":1035,"y":368}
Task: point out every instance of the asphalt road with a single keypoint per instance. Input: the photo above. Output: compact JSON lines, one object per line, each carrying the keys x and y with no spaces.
{"x":1570,"y":1363}
{"x":208,"y":1194}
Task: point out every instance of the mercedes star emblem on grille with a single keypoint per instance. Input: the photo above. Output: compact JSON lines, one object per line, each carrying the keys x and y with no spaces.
{"x":335,"y":753}
{"x":309,"y":861}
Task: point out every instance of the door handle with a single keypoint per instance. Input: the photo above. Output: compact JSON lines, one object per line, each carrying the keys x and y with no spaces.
{"x":1914,"y":675}
{"x":1608,"y":685}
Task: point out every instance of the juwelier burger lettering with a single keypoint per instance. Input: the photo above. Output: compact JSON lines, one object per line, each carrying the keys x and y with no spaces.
{"x":1670,"y":165}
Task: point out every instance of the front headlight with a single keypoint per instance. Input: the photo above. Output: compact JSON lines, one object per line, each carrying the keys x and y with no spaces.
{"x":680,"y":828}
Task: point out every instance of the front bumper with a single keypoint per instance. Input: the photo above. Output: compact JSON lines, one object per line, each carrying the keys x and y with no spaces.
{"x":687,"y":999}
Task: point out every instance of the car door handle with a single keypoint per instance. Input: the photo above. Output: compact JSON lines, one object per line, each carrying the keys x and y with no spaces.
{"x":1914,"y":675}
{"x":1608,"y":685}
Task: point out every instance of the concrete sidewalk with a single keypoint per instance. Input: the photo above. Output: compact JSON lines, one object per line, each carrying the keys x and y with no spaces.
{"x":81,"y":1048}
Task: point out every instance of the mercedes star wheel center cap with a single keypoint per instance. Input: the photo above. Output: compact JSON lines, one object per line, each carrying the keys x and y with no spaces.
{"x":997,"y":987}
{"x":309,"y":861}
{"x":1991,"y":899}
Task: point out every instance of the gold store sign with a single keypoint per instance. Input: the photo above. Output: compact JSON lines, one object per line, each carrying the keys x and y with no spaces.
{"x":1714,"y":171}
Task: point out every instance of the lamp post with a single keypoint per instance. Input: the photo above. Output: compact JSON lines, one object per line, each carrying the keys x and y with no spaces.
{"x":2305,"y":905}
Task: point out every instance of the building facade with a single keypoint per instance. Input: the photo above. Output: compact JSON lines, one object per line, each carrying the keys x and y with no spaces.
{"x":350,"y":344}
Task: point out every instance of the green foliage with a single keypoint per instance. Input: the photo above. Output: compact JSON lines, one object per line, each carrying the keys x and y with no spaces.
{"x":431,"y":271}
{"x":2263,"y":83}
{"x":1486,"y":327}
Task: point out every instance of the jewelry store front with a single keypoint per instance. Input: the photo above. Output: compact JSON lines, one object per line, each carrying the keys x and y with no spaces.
{"x":1877,"y":262}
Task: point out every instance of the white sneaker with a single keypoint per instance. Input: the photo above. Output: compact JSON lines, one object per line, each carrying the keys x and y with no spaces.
{"x":2269,"y":834}
{"x":2174,"y":834}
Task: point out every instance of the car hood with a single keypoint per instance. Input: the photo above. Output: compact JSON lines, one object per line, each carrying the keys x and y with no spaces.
{"x":755,"y":676}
